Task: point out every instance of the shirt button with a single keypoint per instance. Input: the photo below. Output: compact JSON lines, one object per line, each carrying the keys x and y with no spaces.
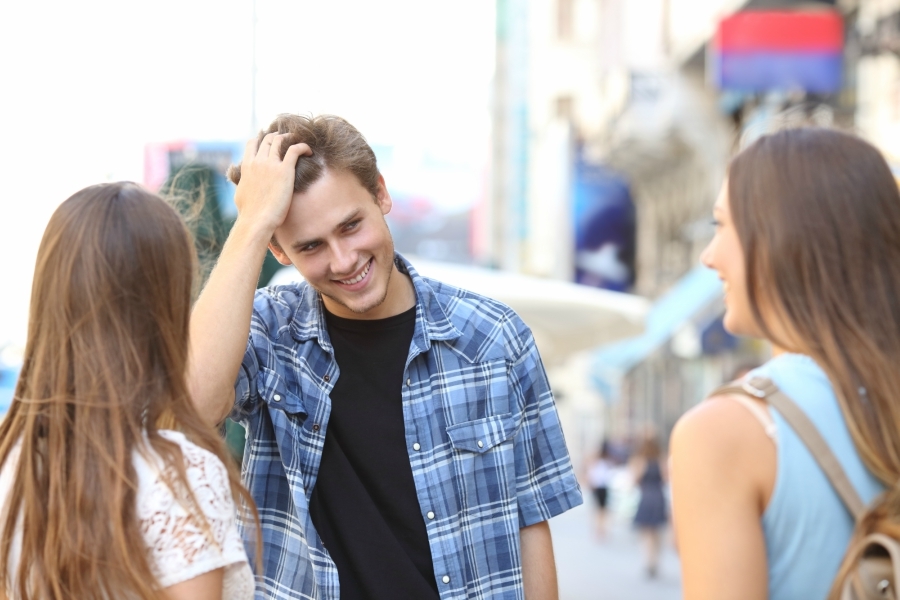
{"x":480,"y":444}
{"x":430,"y":515}
{"x":316,"y":427}
{"x":445,"y":579}
{"x":416,"y":446}
{"x":276,"y":398}
{"x":327,"y":378}
{"x":408,"y":382}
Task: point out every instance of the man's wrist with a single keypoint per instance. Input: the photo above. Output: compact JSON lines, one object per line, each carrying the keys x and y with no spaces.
{"x":252,"y":232}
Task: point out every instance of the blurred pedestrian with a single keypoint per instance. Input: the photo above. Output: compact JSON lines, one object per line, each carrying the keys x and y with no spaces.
{"x":99,"y":500}
{"x":808,"y":245}
{"x":652,"y":510}
{"x":600,"y":474}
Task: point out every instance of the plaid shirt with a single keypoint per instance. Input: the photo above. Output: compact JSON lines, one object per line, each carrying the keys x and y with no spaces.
{"x":484,"y":439}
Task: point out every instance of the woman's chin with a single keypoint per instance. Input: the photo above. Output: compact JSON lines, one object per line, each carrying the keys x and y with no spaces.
{"x":735,"y":325}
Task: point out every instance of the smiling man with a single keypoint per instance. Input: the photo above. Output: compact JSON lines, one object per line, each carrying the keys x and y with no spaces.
{"x":402,"y":440}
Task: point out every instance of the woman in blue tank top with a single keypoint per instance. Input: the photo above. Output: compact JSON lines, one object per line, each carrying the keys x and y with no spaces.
{"x":808,"y":246}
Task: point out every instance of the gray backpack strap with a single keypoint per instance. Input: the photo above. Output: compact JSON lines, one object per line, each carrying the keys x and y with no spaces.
{"x":764,"y":389}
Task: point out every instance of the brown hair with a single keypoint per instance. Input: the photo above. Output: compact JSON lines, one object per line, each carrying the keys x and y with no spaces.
{"x":104,"y":367}
{"x":817,"y":212}
{"x":650,"y":448}
{"x":336,"y":145}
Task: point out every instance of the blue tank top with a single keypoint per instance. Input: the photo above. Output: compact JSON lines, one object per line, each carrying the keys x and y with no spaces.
{"x":806,"y":525}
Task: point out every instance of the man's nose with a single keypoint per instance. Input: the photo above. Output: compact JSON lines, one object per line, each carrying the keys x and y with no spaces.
{"x":343,"y":260}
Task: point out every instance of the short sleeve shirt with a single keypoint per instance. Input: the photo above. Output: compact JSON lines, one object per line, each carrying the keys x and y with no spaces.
{"x":481,"y":430}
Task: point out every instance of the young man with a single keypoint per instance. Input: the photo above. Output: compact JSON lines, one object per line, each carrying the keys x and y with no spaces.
{"x":402,"y":440}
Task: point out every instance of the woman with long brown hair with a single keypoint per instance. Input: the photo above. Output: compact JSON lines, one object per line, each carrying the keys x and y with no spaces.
{"x":99,"y":500}
{"x":808,"y":245}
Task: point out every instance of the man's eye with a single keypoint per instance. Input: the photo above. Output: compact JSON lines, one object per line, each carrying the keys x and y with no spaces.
{"x":309,"y":247}
{"x":351,"y":225}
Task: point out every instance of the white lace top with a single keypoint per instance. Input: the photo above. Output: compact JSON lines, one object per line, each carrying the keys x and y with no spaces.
{"x":179,"y":547}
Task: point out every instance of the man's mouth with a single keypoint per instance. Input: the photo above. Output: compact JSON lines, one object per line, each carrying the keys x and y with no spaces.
{"x":359,"y":277}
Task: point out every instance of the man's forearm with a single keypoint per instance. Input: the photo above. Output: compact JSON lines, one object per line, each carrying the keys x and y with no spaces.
{"x":220,"y":321}
{"x":538,"y":565}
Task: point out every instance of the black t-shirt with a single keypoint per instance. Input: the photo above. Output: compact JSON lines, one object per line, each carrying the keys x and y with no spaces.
{"x":364,"y":503}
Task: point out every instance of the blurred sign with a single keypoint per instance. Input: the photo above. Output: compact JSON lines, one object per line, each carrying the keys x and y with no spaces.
{"x":604,"y":228}
{"x":759,"y":51}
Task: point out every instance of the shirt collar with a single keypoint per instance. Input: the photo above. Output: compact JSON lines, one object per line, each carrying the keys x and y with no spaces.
{"x":432,"y":321}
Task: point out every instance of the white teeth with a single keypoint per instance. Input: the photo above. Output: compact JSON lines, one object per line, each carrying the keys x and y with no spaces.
{"x":359,"y":277}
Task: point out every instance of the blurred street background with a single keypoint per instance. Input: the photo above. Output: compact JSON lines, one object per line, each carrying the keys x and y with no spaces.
{"x":610,"y":569}
{"x":560,"y":155}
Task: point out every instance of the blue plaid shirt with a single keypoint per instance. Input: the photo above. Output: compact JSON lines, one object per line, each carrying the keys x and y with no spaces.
{"x":483,"y":435}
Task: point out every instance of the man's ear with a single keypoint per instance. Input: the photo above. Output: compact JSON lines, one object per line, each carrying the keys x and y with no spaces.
{"x":278,"y":253}
{"x":383,"y":199}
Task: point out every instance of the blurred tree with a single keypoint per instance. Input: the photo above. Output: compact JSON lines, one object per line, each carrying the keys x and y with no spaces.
{"x":194,"y":191}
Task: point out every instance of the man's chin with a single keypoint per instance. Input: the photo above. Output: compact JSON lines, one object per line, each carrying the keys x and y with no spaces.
{"x":358,"y":306}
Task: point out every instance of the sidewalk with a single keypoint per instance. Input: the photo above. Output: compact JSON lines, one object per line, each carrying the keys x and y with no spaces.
{"x":609,"y":569}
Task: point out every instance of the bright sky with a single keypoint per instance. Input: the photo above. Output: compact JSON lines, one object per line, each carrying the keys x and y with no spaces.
{"x":86,"y":84}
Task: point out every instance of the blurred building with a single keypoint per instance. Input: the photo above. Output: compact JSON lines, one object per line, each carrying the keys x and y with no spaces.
{"x":595,"y":82}
{"x":875,"y":48}
{"x":601,"y":105}
{"x":551,"y":92}
{"x":658,"y":95}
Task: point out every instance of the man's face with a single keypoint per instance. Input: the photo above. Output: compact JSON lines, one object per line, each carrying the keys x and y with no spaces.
{"x":336,"y":236}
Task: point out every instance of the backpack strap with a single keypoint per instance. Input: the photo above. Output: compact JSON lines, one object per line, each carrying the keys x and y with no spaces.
{"x":764,"y":389}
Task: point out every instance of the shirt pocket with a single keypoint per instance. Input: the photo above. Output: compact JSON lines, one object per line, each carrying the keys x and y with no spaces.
{"x":275,"y":393}
{"x":481,"y":435}
{"x":470,"y":392}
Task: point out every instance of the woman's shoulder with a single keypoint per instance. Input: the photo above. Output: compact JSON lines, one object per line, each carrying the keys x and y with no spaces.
{"x":716,"y":421}
{"x":182,"y":545}
{"x":193,"y":454}
{"x":720,"y":436}
{"x":724,"y":423}
{"x":202,"y":468}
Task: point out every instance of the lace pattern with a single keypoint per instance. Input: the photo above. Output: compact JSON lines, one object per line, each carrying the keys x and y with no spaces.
{"x":179,"y":545}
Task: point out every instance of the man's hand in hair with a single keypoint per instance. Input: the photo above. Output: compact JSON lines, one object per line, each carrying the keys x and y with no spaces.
{"x":264,"y":193}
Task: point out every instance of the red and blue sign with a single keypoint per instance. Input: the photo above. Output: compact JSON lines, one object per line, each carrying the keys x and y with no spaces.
{"x":785,"y":50}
